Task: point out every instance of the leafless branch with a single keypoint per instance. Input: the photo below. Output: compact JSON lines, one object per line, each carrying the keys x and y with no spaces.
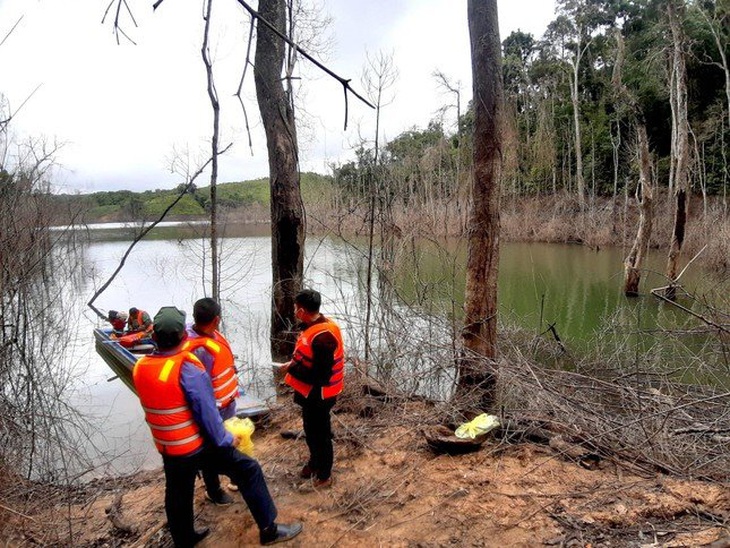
{"x":5,"y":122}
{"x":246,"y":64}
{"x":144,"y":232}
{"x":117,"y":27}
{"x":344,"y":82}
{"x":7,"y":35}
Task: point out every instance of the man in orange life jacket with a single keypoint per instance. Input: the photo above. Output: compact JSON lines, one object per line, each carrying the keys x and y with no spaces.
{"x":138,"y":320}
{"x":212,"y":349}
{"x":316,"y":373}
{"x":177,"y":396}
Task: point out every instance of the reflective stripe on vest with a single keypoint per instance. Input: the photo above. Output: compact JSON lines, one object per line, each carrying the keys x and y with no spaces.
{"x":304,"y":354}
{"x":223,"y":372}
{"x":157,"y":380}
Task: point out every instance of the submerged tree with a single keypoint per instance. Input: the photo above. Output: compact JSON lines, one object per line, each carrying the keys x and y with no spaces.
{"x":645,"y":197}
{"x":479,"y":335}
{"x":680,"y":141}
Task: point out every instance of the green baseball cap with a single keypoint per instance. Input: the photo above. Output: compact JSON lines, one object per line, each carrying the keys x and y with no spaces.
{"x":169,"y":321}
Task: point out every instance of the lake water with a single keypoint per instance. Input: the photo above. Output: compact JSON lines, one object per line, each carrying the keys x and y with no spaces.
{"x":573,"y":288}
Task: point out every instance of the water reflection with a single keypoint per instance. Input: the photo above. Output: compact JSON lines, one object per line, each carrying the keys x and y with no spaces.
{"x":415,"y":318}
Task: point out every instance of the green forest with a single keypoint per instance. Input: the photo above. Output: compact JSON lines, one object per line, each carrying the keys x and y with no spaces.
{"x":573,"y":99}
{"x":126,"y":205}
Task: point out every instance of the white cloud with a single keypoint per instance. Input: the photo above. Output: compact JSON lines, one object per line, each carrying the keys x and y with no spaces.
{"x":123,"y":109}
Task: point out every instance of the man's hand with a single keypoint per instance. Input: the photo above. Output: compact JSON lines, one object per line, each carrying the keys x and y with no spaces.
{"x":236,"y":440}
{"x":282,"y":367}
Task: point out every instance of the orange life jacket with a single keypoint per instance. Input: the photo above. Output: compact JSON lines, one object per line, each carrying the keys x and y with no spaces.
{"x":157,"y":380}
{"x":223,"y":373}
{"x":304,"y":354}
{"x":137,"y":323}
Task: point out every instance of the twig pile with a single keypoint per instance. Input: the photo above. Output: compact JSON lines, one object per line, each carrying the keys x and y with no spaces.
{"x":651,"y":421}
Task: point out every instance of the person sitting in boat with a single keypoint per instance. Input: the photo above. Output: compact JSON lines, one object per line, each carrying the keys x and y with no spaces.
{"x":118,"y":319}
{"x":139,"y":321}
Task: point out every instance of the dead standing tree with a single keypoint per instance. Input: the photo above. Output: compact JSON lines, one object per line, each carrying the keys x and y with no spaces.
{"x":680,"y":143}
{"x":214,"y":145}
{"x":479,"y":335}
{"x":288,"y":222}
{"x":645,"y":197}
{"x":287,"y":209}
{"x":626,"y":102}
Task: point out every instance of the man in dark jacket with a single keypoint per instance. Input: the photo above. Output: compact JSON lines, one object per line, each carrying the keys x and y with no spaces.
{"x":316,"y":373}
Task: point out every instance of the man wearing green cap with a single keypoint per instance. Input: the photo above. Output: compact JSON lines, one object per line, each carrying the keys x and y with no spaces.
{"x":177,"y":396}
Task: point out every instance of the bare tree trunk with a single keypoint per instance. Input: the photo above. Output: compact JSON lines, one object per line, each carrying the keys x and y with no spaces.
{"x":617,"y":83}
{"x":479,"y":335}
{"x":681,"y":151}
{"x":635,"y":259}
{"x":673,"y":145}
{"x":214,"y":141}
{"x":287,"y":210}
{"x":718,"y":28}
{"x":580,"y":183}
{"x":724,"y":167}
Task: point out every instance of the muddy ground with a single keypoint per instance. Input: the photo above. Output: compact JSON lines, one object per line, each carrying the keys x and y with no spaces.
{"x":391,"y":489}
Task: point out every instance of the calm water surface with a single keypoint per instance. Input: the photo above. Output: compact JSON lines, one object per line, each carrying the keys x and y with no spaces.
{"x":572,"y":287}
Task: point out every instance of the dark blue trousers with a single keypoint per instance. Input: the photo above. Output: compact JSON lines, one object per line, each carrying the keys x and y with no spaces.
{"x":243,"y":471}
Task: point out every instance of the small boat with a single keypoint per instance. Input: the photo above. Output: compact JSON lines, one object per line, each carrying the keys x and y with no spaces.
{"x":121,"y":360}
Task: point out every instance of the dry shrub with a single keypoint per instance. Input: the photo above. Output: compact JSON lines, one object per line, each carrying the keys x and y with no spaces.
{"x":644,"y":418}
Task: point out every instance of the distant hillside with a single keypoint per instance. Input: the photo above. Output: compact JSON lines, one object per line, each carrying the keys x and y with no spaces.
{"x":125,"y":205}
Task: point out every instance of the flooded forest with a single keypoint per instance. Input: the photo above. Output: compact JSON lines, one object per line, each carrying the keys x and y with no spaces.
{"x":609,"y":134}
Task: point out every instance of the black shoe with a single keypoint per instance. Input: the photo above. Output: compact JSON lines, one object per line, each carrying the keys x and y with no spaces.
{"x":280,"y":532}
{"x":221,"y":499}
{"x":200,"y":535}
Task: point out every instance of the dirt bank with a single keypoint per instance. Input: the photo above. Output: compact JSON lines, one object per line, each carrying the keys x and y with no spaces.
{"x":391,"y":489}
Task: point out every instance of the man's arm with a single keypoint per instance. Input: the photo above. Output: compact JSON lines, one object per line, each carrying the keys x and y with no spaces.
{"x":207,"y":359}
{"x":199,"y":393}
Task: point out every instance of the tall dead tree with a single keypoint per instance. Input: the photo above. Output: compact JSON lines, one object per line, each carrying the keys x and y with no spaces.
{"x":680,"y":144}
{"x":277,"y":112}
{"x":287,"y":209}
{"x":645,"y":197}
{"x":214,"y":152}
{"x":718,"y":22}
{"x":479,"y":336}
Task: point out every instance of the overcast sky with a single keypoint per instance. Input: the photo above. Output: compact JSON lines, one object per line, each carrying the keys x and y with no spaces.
{"x":124,"y":112}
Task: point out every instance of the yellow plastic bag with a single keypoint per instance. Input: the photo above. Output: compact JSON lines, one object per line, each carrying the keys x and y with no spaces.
{"x":243,"y":429}
{"x":479,"y":425}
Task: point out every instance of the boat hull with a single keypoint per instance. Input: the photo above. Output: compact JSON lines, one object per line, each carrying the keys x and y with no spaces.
{"x":121,"y":360}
